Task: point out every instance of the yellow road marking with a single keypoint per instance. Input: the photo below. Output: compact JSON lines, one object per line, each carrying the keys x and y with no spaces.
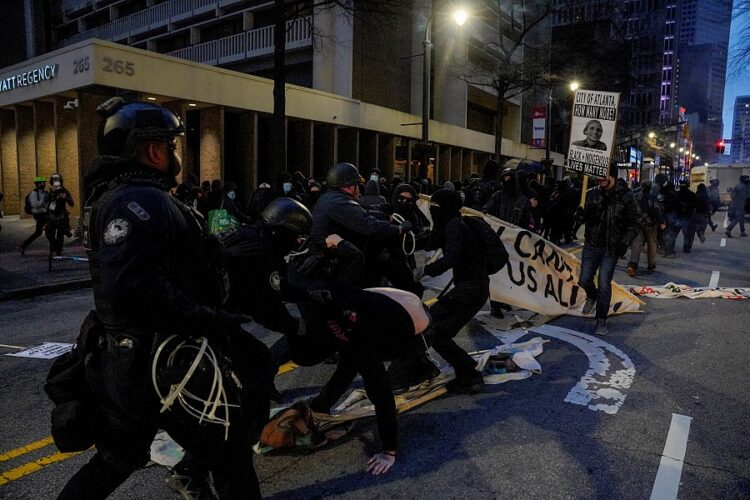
{"x":26,"y":449}
{"x":31,"y":467}
{"x":287,"y":367}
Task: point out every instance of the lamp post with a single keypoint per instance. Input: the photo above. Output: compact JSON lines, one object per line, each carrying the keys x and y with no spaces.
{"x":459,"y":16}
{"x":547,"y":162}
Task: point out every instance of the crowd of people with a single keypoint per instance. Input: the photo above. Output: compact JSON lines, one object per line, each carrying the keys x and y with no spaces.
{"x":340,"y":249}
{"x":49,"y":208}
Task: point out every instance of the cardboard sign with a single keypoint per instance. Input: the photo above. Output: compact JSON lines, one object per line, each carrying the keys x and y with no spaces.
{"x":47,"y":350}
{"x":592,"y":132}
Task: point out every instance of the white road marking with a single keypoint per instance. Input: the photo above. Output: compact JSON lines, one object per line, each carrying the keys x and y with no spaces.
{"x":714,"y":279}
{"x":6,"y":346}
{"x":723,"y":242}
{"x":599,"y":389}
{"x":667,"y":480}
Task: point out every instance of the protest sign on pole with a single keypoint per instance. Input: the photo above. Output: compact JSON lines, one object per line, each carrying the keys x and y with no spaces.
{"x":592,"y":132}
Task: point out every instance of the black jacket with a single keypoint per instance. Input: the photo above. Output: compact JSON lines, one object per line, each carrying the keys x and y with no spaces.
{"x":460,"y":253}
{"x":613,"y":211}
{"x":338,"y":213}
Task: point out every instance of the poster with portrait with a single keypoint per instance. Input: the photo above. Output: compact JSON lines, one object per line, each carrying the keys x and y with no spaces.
{"x":592,"y":132}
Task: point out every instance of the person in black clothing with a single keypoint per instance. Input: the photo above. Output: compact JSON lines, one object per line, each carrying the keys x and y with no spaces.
{"x":651,"y":219}
{"x":669,"y":204}
{"x":612,"y":223}
{"x":337,"y":212}
{"x":509,"y":204}
{"x":38,"y":199}
{"x":702,"y":217}
{"x":155,"y":273}
{"x":58,"y":221}
{"x":687,"y":203}
{"x":480,"y":190}
{"x":350,"y":321}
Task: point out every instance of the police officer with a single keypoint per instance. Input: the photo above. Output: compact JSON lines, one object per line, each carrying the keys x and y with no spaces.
{"x":154,"y":273}
{"x":337,"y":212}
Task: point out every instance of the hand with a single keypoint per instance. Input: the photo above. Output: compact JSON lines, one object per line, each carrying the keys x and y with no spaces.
{"x":333,"y":240}
{"x":534,"y":202}
{"x":662,"y":226}
{"x":405,"y":227}
{"x":380,"y":463}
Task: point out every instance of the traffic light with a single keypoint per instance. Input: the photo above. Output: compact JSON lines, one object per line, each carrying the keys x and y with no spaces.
{"x":720,"y":145}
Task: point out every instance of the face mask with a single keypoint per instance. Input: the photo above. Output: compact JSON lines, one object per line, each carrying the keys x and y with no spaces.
{"x":374,"y":177}
{"x":286,"y":187}
{"x":56,"y":184}
{"x":231,"y":195}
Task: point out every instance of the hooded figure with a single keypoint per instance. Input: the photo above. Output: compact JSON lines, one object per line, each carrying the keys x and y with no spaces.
{"x":58,"y":221}
{"x":480,"y":190}
{"x":372,"y":196}
{"x":510,"y":204}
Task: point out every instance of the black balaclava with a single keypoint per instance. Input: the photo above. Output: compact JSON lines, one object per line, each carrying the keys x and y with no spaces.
{"x":646,"y":187}
{"x":404,"y":209}
{"x":510,"y":185}
{"x":445,"y":205}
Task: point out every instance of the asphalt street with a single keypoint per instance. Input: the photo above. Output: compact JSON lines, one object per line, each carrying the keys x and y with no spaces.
{"x":520,"y":439}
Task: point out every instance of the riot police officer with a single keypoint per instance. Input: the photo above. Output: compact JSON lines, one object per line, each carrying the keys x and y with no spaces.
{"x":155,"y":273}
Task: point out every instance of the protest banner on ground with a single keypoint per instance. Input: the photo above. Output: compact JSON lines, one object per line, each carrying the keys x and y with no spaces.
{"x":673,"y":291}
{"x":539,"y":276}
{"x":592,"y":132}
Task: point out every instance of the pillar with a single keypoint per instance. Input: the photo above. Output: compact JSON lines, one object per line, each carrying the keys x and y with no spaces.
{"x":247,"y":171}
{"x":386,"y":154}
{"x":300,"y":154}
{"x":66,"y":150}
{"x":13,"y":202}
{"x":212,"y":143}
{"x":348,"y":145}
{"x":324,"y":149}
{"x":44,"y":138}
{"x":25,"y":149}
{"x":457,"y":163}
{"x":467,"y":161}
{"x":368,"y":155}
{"x":445,"y":172}
{"x":333,"y":51}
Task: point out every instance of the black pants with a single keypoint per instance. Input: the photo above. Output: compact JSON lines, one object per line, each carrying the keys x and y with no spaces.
{"x":451,"y":313}
{"x":41,"y":220}
{"x":55,"y":233}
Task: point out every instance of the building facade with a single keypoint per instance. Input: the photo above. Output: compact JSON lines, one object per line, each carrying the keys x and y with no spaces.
{"x":741,"y":130}
{"x":354,"y":88}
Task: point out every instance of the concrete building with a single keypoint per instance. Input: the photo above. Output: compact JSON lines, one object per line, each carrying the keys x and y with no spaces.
{"x":353,"y":91}
{"x":741,"y":130}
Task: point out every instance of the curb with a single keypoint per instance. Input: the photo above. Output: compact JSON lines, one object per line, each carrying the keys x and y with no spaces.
{"x":49,"y":288}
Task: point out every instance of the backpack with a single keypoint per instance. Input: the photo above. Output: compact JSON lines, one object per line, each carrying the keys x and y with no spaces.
{"x":293,"y":427}
{"x":75,"y":416}
{"x":27,"y":204}
{"x":489,"y":242}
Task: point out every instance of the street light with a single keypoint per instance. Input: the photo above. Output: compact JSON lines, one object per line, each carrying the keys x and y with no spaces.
{"x":460,"y":17}
{"x":651,"y":135}
{"x":672,"y":145}
{"x":574,"y":86}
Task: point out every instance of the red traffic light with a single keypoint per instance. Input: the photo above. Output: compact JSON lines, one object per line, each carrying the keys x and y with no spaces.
{"x":720,"y":146}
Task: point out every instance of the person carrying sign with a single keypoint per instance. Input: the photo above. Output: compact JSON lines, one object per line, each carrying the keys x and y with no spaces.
{"x":612,"y":222}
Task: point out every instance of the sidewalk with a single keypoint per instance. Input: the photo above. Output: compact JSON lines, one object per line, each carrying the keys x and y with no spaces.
{"x":29,"y":276}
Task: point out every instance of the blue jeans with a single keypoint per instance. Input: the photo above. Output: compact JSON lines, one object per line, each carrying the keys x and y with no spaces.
{"x":593,"y":259}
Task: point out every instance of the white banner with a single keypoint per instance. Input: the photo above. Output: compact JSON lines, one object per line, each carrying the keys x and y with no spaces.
{"x":539,"y":276}
{"x":592,"y":132}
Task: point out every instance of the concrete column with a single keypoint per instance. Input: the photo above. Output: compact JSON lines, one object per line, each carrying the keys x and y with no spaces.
{"x":301,"y":153}
{"x":88,"y":127}
{"x":333,"y":52}
{"x":13,"y":202}
{"x":212,"y":143}
{"x":386,"y":154}
{"x":348,"y":145}
{"x":444,"y":157}
{"x":368,"y":155}
{"x":457,"y":163}
{"x":247,"y":171}
{"x":179,"y":108}
{"x":44,"y":128}
{"x":324,"y":149}
{"x":25,"y":149}
{"x":66,"y":150}
{"x":467,"y":161}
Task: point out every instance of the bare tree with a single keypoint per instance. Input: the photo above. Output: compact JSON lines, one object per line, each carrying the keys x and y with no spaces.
{"x":287,"y":10}
{"x":739,"y":61}
{"x":511,"y":64}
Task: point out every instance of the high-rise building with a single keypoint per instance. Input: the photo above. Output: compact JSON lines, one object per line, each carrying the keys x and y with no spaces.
{"x":741,"y":130}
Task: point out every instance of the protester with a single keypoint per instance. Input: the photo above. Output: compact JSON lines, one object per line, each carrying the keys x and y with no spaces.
{"x":372,"y":197}
{"x":58,"y":218}
{"x":156,"y":274}
{"x":651,"y":218}
{"x":739,"y":193}
{"x":702,"y":217}
{"x":36,"y":205}
{"x":480,"y":190}
{"x":612,"y":223}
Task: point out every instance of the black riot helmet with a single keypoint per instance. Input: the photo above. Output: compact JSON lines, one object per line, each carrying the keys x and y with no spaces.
{"x":342,"y":175}
{"x":289,"y":214}
{"x":124,"y":126}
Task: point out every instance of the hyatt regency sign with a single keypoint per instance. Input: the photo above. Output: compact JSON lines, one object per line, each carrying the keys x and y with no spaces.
{"x":29,"y":78}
